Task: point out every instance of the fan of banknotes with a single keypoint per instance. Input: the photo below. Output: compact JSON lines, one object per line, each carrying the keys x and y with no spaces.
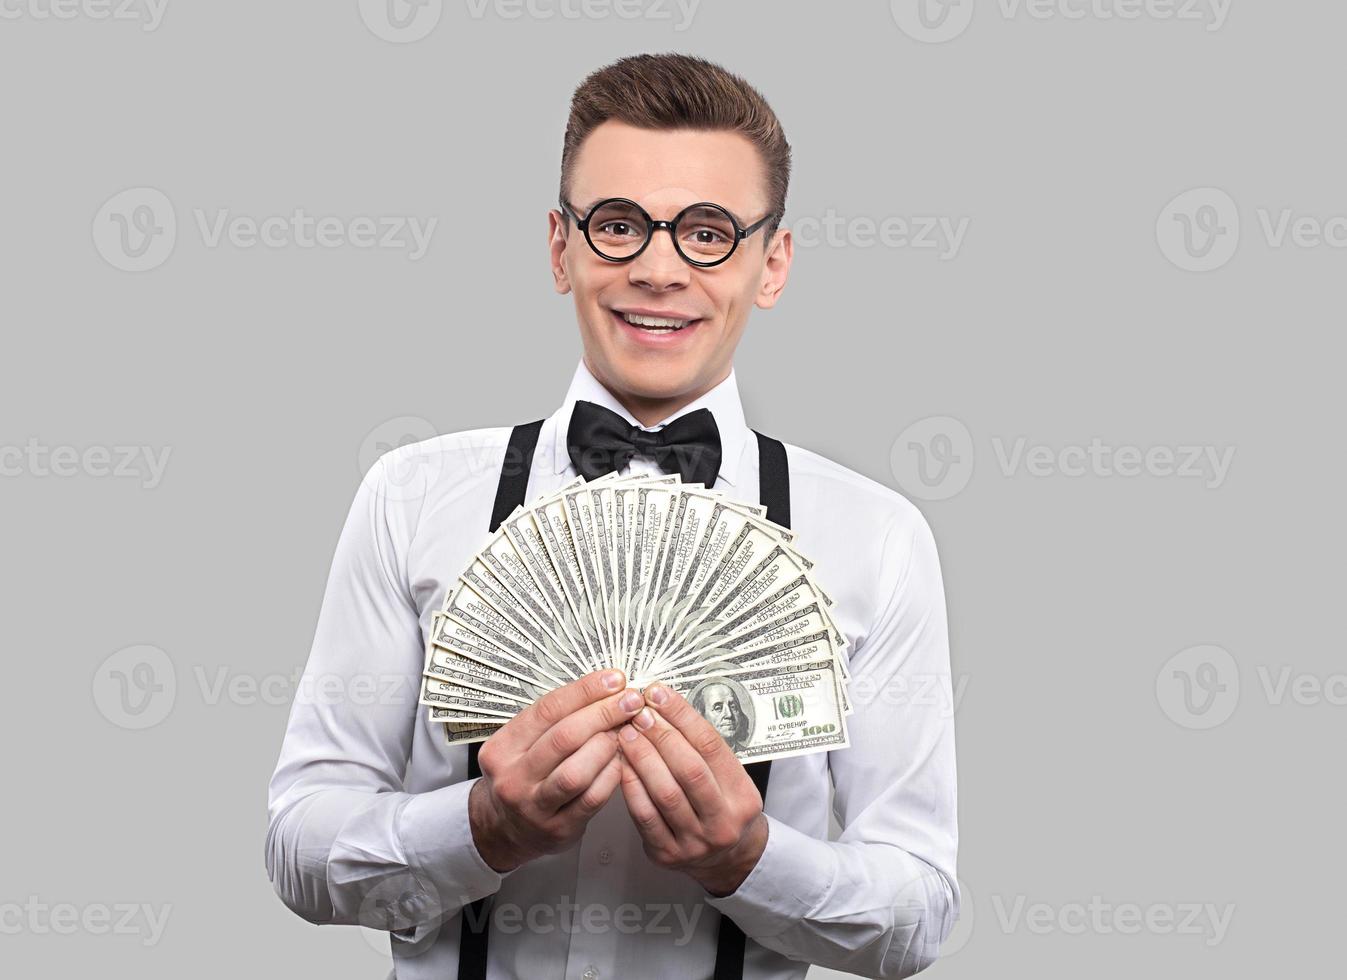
{"x":664,"y":580}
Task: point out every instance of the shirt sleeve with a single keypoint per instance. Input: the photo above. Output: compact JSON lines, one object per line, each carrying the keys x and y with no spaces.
{"x":345,"y":844}
{"x":880,"y":899}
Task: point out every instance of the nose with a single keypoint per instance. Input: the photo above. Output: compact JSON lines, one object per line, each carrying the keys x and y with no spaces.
{"x":659,"y":268}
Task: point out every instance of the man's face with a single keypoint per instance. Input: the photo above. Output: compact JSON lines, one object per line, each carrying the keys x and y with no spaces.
{"x":722,"y":710}
{"x":664,"y":172}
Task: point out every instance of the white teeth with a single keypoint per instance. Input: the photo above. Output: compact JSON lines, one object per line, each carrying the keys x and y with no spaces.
{"x":661,"y":324}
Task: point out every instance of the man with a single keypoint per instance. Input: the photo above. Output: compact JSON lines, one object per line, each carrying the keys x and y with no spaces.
{"x":717,"y":702}
{"x":610,"y":833}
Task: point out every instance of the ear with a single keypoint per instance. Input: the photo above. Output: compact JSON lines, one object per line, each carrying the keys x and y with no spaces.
{"x":556,"y":247}
{"x":775,"y":269}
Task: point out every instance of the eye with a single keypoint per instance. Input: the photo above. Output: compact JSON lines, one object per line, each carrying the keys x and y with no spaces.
{"x":708,"y":236}
{"x":618,"y":229}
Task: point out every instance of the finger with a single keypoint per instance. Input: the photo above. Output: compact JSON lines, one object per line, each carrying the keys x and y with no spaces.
{"x":525,"y":727}
{"x":700,"y":733}
{"x":565,"y":737}
{"x":649,"y":822}
{"x":687,"y":765}
{"x":600,"y":791}
{"x":576,"y":773}
{"x":664,"y":790}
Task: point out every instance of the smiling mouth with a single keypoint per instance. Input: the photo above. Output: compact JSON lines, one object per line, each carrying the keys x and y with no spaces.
{"x":653,"y":324}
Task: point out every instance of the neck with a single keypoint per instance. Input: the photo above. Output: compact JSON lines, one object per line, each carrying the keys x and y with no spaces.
{"x":651,"y":410}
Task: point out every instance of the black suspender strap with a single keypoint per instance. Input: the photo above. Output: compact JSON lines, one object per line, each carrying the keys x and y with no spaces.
{"x":514,"y":472}
{"x":774,"y":493}
{"x":773,"y":479}
{"x":510,"y":493}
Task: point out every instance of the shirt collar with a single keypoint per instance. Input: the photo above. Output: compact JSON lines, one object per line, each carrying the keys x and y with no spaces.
{"x":722,"y":400}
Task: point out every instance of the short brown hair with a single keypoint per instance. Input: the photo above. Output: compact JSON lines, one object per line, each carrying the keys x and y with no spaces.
{"x":679,"y":91}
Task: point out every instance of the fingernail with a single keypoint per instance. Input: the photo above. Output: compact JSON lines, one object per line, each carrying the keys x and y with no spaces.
{"x":657,"y":694}
{"x":644,"y":720}
{"x":631,"y":701}
{"x":628,"y":733}
{"x":613,"y":679}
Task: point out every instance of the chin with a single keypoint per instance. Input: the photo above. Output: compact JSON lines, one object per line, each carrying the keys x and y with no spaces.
{"x":653,"y":377}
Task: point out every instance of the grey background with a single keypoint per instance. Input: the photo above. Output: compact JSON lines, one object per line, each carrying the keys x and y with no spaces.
{"x":271,"y":375}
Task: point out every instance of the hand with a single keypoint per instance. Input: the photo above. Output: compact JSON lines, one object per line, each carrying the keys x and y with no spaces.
{"x":694,"y":804}
{"x":549,"y":770}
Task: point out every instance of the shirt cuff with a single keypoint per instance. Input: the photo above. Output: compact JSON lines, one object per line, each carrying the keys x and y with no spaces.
{"x":437,"y":839}
{"x":792,"y":878}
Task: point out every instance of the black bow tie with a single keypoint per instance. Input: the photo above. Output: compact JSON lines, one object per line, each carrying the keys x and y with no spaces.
{"x":600,"y":441}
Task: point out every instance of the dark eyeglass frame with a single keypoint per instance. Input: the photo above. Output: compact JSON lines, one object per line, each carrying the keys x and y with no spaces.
{"x":652,"y":226}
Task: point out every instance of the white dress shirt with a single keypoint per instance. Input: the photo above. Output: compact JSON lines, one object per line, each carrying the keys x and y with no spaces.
{"x":368,"y":804}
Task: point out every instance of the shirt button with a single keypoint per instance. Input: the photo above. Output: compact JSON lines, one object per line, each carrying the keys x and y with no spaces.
{"x":604,"y":857}
{"x":591,"y":974}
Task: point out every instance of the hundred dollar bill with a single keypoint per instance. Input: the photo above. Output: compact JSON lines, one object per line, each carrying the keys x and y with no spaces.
{"x":439,"y":693}
{"x":546,"y":532}
{"x":788,"y":596}
{"x":457,"y":669}
{"x":530,"y":541}
{"x":468,"y":607}
{"x":721,"y":553}
{"x":462,"y":734}
{"x":808,"y":648}
{"x":450,"y":634}
{"x":654,"y":516}
{"x":575,"y":512}
{"x":771,"y":713}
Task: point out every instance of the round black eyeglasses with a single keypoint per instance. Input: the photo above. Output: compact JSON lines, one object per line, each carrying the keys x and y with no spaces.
{"x":704,"y":234}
